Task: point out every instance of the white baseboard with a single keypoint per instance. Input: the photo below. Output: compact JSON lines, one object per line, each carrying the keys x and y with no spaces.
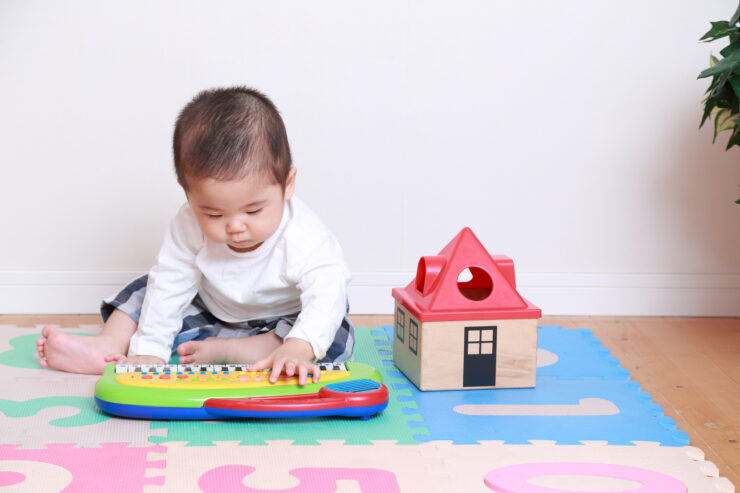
{"x":42,"y":292}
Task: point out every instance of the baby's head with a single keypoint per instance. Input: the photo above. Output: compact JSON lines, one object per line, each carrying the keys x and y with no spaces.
{"x":233,"y":160}
{"x":227,"y":134}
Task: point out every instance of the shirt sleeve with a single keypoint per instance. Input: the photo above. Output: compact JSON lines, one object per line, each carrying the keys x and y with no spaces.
{"x":172,"y":285}
{"x":323,"y":282}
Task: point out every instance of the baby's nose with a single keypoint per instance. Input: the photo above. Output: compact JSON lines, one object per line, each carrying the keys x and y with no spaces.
{"x":235,"y":227}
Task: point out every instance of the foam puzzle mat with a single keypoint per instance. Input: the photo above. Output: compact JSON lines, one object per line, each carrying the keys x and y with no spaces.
{"x":586,"y":427}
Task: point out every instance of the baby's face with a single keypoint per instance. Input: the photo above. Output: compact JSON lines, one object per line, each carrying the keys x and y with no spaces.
{"x":241,"y":213}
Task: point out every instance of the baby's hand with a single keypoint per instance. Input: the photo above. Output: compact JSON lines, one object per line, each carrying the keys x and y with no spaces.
{"x":134,"y":360}
{"x":294,"y":356}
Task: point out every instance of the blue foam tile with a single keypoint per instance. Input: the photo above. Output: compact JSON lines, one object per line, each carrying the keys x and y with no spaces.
{"x":580,"y":354}
{"x":584,"y":370}
{"x":635,"y":420}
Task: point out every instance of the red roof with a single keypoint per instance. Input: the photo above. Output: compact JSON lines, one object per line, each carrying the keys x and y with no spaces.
{"x":489,"y":293}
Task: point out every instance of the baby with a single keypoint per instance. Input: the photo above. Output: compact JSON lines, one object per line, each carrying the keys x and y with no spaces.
{"x":247,"y":273}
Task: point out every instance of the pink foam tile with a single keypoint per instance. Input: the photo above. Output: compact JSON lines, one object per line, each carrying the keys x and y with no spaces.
{"x":113,"y":468}
{"x":311,"y":480}
{"x":10,"y":478}
{"x":516,"y":478}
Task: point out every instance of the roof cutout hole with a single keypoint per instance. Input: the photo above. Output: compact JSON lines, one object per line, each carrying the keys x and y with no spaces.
{"x":475,"y":283}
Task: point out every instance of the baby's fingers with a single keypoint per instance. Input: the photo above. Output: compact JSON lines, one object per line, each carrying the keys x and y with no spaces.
{"x":305,"y":369}
{"x":277,"y":367}
{"x":260,"y":365}
{"x":302,"y":375}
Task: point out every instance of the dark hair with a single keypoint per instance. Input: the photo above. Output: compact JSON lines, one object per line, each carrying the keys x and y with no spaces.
{"x":229,"y":133}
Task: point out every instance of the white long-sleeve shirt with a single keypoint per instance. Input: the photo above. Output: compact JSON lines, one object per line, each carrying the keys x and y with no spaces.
{"x":300,"y":268}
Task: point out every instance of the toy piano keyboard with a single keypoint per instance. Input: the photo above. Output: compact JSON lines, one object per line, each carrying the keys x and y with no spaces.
{"x":230,"y":391}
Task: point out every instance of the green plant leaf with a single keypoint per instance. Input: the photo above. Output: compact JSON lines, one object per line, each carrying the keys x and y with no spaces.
{"x":720,"y":90}
{"x":734,"y":81}
{"x":726,"y":121}
{"x":710,"y":105}
{"x":736,"y":16}
{"x":734,"y":138}
{"x":727,"y":50}
{"x":723,"y":94}
{"x":726,"y":64}
{"x":719,"y":30}
{"x":717,"y":117}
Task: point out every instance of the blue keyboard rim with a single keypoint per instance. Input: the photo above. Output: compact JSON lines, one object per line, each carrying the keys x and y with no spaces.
{"x":180,"y":413}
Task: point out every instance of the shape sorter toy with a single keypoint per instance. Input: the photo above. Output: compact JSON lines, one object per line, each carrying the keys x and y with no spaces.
{"x":453,"y":332}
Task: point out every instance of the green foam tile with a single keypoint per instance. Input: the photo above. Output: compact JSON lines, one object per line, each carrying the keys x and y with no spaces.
{"x":391,"y":424}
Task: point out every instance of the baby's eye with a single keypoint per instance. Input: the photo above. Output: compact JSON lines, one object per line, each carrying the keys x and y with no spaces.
{"x":214,"y":216}
{"x":252,"y":213}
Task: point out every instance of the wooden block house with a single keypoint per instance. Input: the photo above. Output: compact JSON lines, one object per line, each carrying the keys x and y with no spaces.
{"x":461,"y":323}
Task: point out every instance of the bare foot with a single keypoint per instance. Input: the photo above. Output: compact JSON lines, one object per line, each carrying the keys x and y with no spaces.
{"x":74,"y":353}
{"x":211,"y":350}
{"x":229,"y":349}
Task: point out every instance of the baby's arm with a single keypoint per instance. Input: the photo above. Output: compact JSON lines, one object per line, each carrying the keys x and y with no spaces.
{"x":172,"y":285}
{"x":295,"y":357}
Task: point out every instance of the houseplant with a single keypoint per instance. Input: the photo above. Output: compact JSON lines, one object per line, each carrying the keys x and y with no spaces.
{"x":723,"y":96}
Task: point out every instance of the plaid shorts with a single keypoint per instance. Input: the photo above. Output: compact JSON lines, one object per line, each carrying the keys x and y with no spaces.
{"x":198,"y":323}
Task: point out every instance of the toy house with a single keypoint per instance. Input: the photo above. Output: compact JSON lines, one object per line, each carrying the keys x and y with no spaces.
{"x":462,"y":324}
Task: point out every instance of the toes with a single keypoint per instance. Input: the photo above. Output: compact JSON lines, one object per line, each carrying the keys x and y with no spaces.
{"x":44,"y":363}
{"x":186,"y":349}
{"x":46,"y":330}
{"x":117,"y":358}
{"x":40,"y":346}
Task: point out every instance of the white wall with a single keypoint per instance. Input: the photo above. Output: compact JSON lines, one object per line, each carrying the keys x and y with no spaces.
{"x":564,"y":133}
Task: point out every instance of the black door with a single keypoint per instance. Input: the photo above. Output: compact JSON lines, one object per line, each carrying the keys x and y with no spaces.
{"x":480,"y":357}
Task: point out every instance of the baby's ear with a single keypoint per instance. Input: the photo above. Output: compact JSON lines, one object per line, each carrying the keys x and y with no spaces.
{"x":184,"y":189}
{"x":290,"y":183}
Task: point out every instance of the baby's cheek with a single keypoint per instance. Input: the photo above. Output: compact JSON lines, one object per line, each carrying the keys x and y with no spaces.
{"x":214,"y":234}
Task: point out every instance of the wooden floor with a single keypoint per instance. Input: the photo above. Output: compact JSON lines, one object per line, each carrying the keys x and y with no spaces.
{"x":691,"y":367}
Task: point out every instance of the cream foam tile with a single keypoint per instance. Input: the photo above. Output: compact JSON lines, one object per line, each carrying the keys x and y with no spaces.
{"x":433,"y":466}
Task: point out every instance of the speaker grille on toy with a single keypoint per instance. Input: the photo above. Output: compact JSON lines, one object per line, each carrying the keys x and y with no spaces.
{"x":354,"y":386}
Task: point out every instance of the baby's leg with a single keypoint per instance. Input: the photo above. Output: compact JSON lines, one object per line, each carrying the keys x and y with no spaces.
{"x":85,"y":354}
{"x":228,"y":349}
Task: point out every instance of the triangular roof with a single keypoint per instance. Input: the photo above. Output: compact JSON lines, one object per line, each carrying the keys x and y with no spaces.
{"x":436,"y":295}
